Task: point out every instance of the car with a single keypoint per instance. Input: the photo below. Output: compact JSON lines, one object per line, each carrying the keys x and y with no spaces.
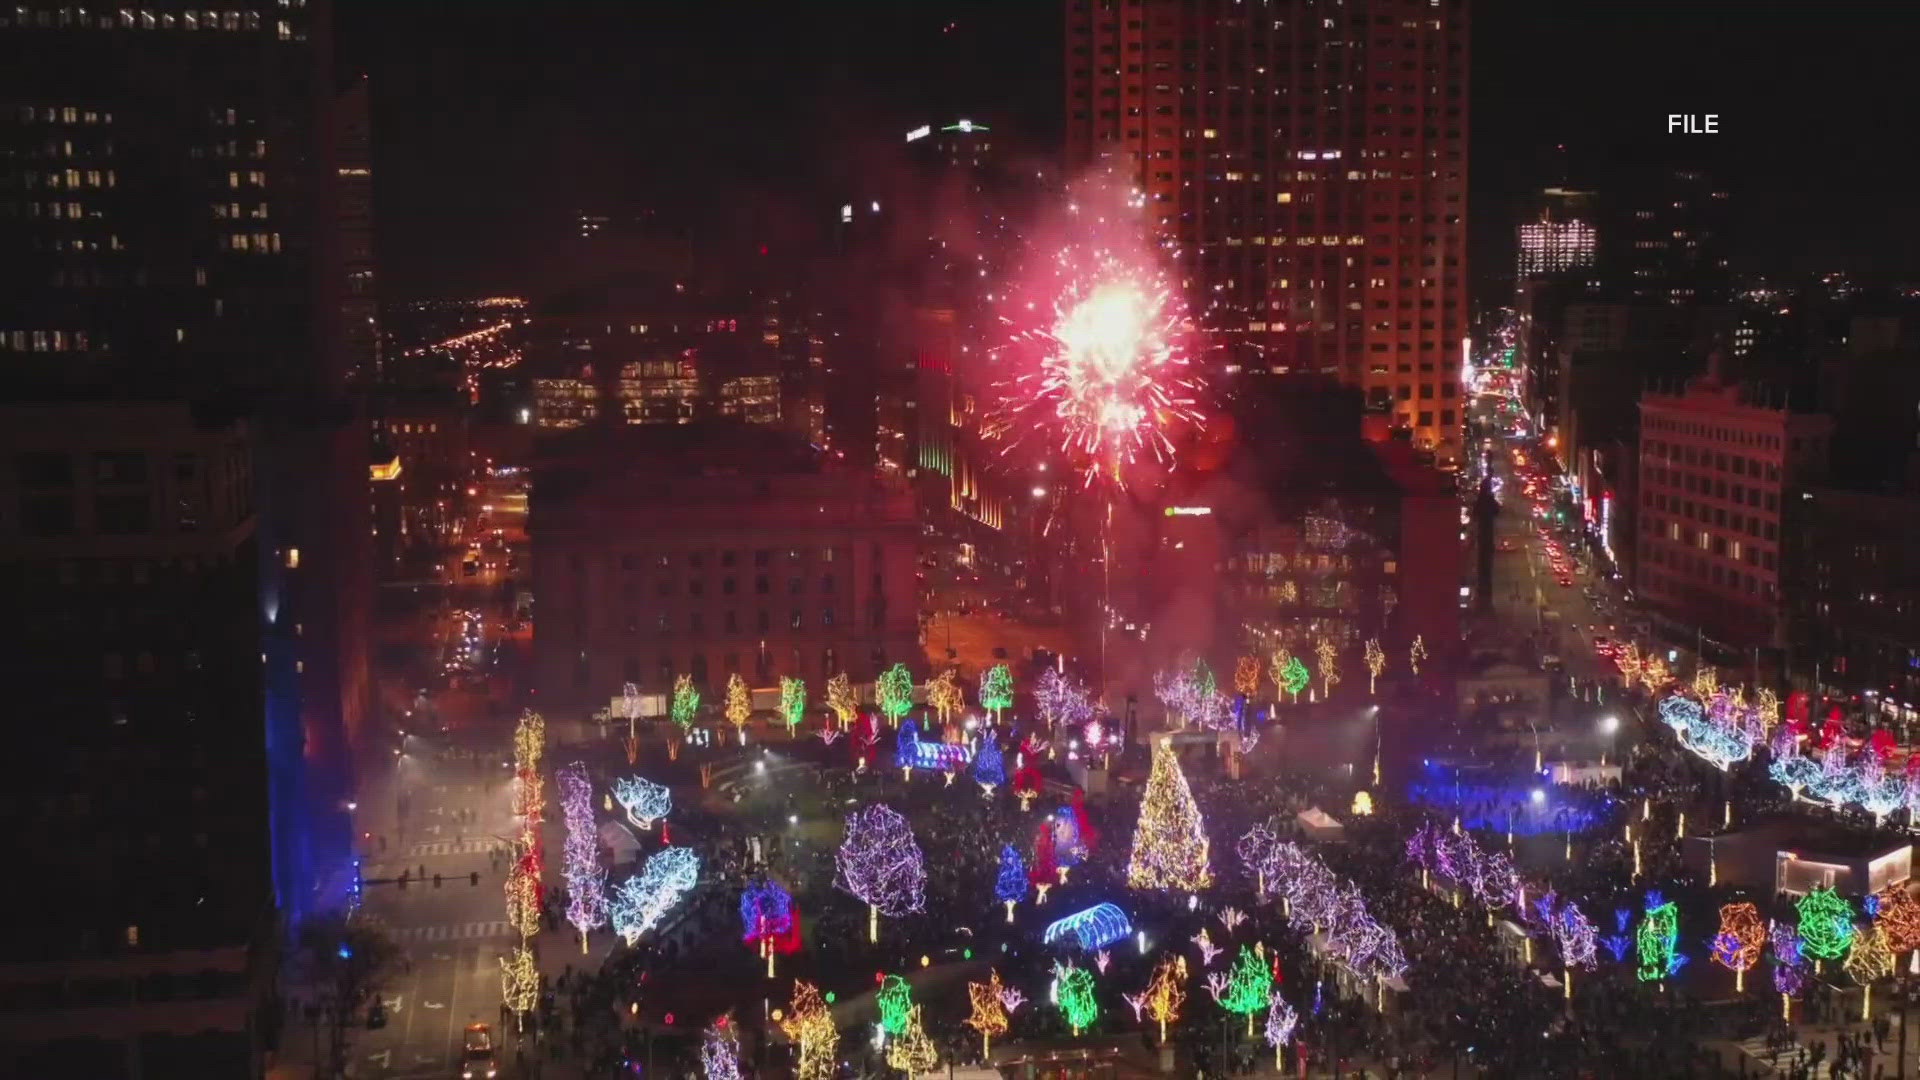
{"x":477,"y":1060}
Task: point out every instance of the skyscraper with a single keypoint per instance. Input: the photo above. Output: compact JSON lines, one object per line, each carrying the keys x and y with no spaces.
{"x":1560,"y":238}
{"x":192,"y":574}
{"x":1305,"y":167}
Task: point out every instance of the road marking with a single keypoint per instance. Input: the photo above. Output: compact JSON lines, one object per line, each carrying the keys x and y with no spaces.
{"x":384,"y":1059}
{"x":436,"y":1004}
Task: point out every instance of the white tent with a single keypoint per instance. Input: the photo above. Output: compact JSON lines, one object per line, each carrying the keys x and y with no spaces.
{"x":1319,"y":825}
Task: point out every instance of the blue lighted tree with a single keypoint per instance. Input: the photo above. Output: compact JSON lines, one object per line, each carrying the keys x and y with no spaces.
{"x":989,"y":765}
{"x":1011,"y":886}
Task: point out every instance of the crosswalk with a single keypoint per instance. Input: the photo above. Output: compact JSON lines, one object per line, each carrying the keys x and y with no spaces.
{"x":469,"y":845}
{"x":1756,"y":1048}
{"x":468,"y":931}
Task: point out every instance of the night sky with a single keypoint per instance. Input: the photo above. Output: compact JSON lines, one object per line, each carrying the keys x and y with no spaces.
{"x":494,"y":125}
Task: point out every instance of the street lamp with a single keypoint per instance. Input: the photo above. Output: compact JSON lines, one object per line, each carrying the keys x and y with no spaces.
{"x":1609,"y":725}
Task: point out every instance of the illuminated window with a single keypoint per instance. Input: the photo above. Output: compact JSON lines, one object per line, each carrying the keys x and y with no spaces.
{"x":293,"y":558}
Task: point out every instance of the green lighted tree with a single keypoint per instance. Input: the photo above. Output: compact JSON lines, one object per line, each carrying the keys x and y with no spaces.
{"x":894,"y":688}
{"x":686,"y":701}
{"x":1296,"y":676}
{"x":896,"y":1004}
{"x":793,"y":703}
{"x":1205,"y":686}
{"x":996,"y":690}
{"x":1074,"y":992}
{"x":1247,"y":989}
{"x":1826,"y":924}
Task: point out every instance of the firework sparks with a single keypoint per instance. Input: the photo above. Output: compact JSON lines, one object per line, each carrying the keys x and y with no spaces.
{"x":1108,"y":377}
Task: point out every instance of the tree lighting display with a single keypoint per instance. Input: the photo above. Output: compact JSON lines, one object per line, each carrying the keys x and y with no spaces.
{"x":1826,"y":924}
{"x":1010,"y":883}
{"x":895,"y":1002}
{"x":1869,"y":960}
{"x":944,"y":696}
{"x":1170,"y":840}
{"x":1376,"y":663}
{"x":1722,"y":734}
{"x":912,"y":752}
{"x":840,"y":698}
{"x":1657,"y":938}
{"x":894,"y":689}
{"x":989,"y":1011}
{"x":1296,"y":677}
{"x":1314,"y":897}
{"x":880,"y":863}
{"x":1246,"y":677}
{"x":686,"y":701}
{"x":1417,"y":653}
{"x":586,"y":878}
{"x":1062,"y":699}
{"x":523,"y":894}
{"x":720,"y":1050}
{"x":1073,"y":992}
{"x":1738,"y":944}
{"x":989,"y":764}
{"x":1328,"y":658}
{"x":644,"y":801}
{"x":1281,"y":1021}
{"x":769,"y":920}
{"x":519,"y":980}
{"x":809,"y":1023}
{"x":1246,"y":990}
{"x":1899,"y":915}
{"x":1163,"y":996}
{"x":739,"y":705}
{"x":1789,"y":966}
{"x":913,"y":1052}
{"x":996,"y":690}
{"x":644,"y":899}
{"x":793,"y":703}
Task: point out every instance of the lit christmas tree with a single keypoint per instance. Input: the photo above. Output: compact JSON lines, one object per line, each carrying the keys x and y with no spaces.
{"x":913,"y":1052}
{"x":989,"y":765}
{"x":1074,"y":993}
{"x":989,"y":1010}
{"x":1899,"y":916}
{"x":686,"y":701}
{"x":880,"y":863}
{"x":1162,"y":998}
{"x":1045,"y":866}
{"x":1657,"y":938}
{"x":1376,"y":663}
{"x":644,"y":801}
{"x":1246,"y":677}
{"x":1062,"y":699}
{"x":840,"y":698}
{"x":1417,"y":653}
{"x":996,"y":690}
{"x":586,"y":878}
{"x":1281,"y":1020}
{"x":1170,"y":841}
{"x":793,"y":703}
{"x":1869,"y":959}
{"x":641,"y":901}
{"x":1277,"y":671}
{"x":769,"y":920}
{"x":809,"y":1023}
{"x":523,"y":894}
{"x":944,"y":694}
{"x":519,"y":982}
{"x":895,"y":691}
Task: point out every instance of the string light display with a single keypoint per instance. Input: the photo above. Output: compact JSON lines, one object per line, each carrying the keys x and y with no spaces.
{"x":1163,"y":996}
{"x":1256,"y":852}
{"x":1899,"y":915}
{"x":1247,"y":989}
{"x":1657,"y":938}
{"x":1376,"y":663}
{"x":644,"y":899}
{"x":1062,"y":699}
{"x":809,"y":1023}
{"x":739,"y":708}
{"x":1073,"y":992}
{"x":894,"y":689}
{"x":1738,"y":944}
{"x":895,"y":1001}
{"x":912,"y":752}
{"x":1095,"y":928}
{"x":1281,"y":1022}
{"x":840,"y":698}
{"x":793,"y":702}
{"x":1417,"y":653}
{"x":1246,"y":676}
{"x":1329,"y":664}
{"x":989,"y":1013}
{"x":644,"y":801}
{"x":1826,"y":924}
{"x":1868,"y":960}
{"x":686,"y":701}
{"x":523,"y":895}
{"x":996,"y":690}
{"x":1208,"y":950}
{"x":913,"y":1052}
{"x":880,"y":863}
{"x":519,"y":980}
{"x":1170,"y":840}
{"x":580,"y":859}
{"x":769,"y":920}
{"x":1314,"y":897}
{"x":1296,"y":677}
{"x":989,"y":763}
{"x":1010,"y":884}
{"x":1277,"y":666}
{"x":1721,"y":736}
{"x":1027,"y":782}
{"x":944,"y":696}
{"x":720,"y":1050}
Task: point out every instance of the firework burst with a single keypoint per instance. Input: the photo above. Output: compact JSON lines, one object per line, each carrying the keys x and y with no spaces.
{"x":1101,"y":367}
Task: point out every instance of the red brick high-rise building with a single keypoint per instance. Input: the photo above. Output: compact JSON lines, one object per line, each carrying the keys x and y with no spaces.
{"x":1304,"y":161}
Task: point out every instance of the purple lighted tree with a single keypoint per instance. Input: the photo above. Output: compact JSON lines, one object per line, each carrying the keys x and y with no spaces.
{"x":880,"y":862}
{"x":586,"y":878}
